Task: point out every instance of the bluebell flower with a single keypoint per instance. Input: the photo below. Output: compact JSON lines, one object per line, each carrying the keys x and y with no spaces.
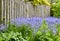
{"x":36,"y":21}
{"x":2,"y":27}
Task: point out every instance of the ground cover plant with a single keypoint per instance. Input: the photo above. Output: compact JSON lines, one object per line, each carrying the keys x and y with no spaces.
{"x":55,"y":9}
{"x":36,"y":21}
{"x":32,"y":29}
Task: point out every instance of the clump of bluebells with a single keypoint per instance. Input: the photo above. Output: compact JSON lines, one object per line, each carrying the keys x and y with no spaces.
{"x":36,"y":21}
{"x":31,"y":29}
{"x":27,"y":33}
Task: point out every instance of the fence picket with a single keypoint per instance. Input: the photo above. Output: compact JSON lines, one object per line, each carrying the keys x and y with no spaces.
{"x":18,"y":8}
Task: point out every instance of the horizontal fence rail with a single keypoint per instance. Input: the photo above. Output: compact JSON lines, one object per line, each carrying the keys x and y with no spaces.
{"x":18,"y":8}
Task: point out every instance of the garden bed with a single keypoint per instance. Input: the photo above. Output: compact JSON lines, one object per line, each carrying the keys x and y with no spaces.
{"x":31,"y":29}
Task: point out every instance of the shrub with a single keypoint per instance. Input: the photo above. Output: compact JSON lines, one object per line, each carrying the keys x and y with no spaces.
{"x":55,"y":9}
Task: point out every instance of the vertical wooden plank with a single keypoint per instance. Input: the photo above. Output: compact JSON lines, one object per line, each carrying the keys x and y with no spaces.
{"x":12,"y":9}
{"x":45,"y":9}
{"x":24,"y":9}
{"x":36,"y":14}
{"x":5,"y":12}
{"x":27,"y":9}
{"x":8,"y":10}
{"x":2,"y":10}
{"x":39,"y":10}
{"x":42,"y":8}
{"x":16,"y":9}
{"x":29,"y":14}
{"x":21,"y":8}
{"x":31,"y":10}
{"x":48,"y":10}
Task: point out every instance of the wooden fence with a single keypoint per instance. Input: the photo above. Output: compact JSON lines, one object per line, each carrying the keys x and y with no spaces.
{"x":18,"y":8}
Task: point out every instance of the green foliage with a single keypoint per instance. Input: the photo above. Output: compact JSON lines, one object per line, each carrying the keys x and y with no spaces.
{"x":56,"y":9}
{"x":58,"y":29}
{"x":17,"y":33}
{"x":38,"y":2}
{"x":26,"y":33}
{"x":12,"y":36}
{"x":43,"y":33}
{"x":57,"y":1}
